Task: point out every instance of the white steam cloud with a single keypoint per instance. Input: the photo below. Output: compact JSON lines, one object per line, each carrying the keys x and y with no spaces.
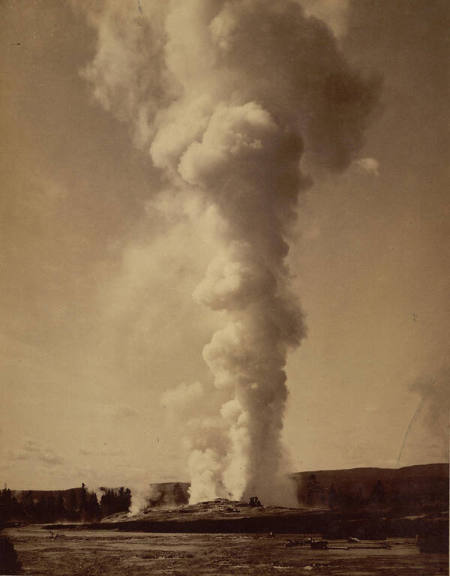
{"x":434,"y":391}
{"x":226,"y":96}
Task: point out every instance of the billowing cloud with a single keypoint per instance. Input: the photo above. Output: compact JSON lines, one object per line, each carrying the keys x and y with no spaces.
{"x":227,"y":97}
{"x":434,"y":389}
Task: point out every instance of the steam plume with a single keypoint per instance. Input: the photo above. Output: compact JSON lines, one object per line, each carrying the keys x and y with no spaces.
{"x":226,"y":96}
{"x":434,"y":391}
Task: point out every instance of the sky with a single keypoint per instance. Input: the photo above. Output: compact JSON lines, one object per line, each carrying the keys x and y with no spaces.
{"x":98,"y":267}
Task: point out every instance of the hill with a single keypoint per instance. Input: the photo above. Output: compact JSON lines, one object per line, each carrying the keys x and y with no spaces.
{"x":412,"y":488}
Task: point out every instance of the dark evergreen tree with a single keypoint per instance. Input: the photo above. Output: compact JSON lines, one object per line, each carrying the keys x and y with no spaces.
{"x":61,"y":512}
{"x":378,"y":495}
{"x":332,"y":497}
{"x":315,"y":494}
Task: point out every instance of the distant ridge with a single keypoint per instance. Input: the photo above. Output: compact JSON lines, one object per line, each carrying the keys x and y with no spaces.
{"x":411,"y":487}
{"x":415,"y":488}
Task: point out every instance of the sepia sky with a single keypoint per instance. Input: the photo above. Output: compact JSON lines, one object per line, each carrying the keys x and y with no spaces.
{"x":97,"y":269}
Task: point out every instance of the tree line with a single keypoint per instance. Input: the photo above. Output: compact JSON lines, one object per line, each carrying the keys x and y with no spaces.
{"x":374,"y":496}
{"x":315,"y":495}
{"x":75,"y":505}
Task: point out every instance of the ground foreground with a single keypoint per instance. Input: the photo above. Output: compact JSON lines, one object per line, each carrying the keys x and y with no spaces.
{"x":110,"y":553}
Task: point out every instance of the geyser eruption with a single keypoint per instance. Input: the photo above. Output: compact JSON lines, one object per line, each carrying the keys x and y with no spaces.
{"x":248,"y":165}
{"x":227,"y":95}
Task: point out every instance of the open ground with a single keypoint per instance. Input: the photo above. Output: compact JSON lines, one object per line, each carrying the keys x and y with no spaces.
{"x":109,"y":553}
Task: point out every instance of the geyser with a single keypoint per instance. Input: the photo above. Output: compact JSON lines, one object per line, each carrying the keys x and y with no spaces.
{"x":227,"y":96}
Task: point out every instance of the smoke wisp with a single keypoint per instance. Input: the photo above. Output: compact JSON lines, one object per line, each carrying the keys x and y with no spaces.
{"x":434,"y":391}
{"x":227,"y":96}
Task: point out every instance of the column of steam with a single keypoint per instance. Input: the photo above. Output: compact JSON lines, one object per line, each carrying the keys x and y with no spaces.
{"x":224,"y":93}
{"x":249,"y":167}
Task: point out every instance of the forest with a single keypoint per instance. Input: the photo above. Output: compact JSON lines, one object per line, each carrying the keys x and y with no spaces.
{"x":74,"y":505}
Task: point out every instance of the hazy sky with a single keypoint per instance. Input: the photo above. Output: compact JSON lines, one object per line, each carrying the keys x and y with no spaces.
{"x":98,"y":271}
